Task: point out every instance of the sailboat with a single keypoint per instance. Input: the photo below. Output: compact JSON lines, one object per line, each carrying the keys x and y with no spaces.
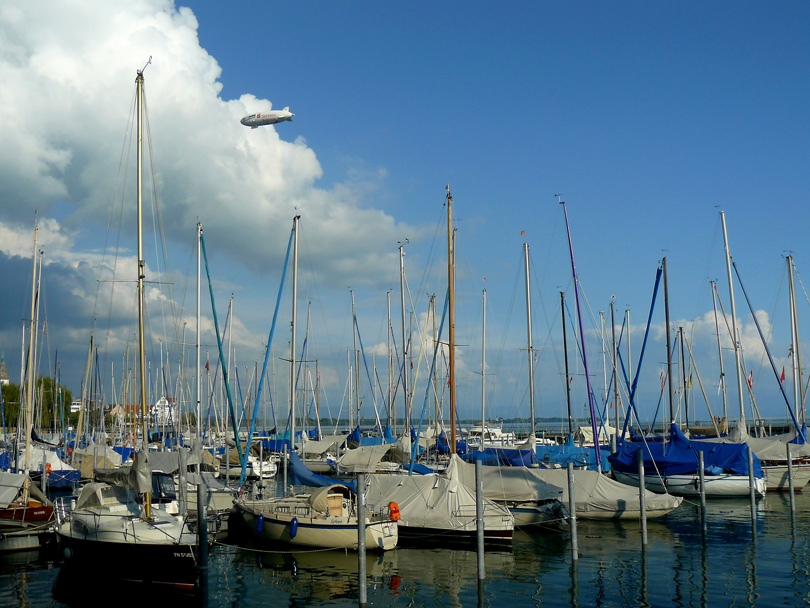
{"x":113,"y":527}
{"x":673,"y":465}
{"x":327,"y":518}
{"x":25,"y":512}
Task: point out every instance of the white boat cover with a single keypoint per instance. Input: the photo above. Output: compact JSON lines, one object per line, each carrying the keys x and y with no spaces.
{"x":434,"y":501}
{"x":11,"y":487}
{"x":770,"y":449}
{"x":599,"y":497}
{"x":584,"y":434}
{"x":363,"y":459}
{"x":321,"y":446}
{"x":516,"y":484}
{"x":95,"y":456}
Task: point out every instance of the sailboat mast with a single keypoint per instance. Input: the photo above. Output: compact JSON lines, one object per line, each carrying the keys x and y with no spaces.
{"x":798,"y":402}
{"x":591,"y":405}
{"x":483,"y":367}
{"x":530,"y":346}
{"x":719,"y":350}
{"x":683,"y":374}
{"x":565,"y":353}
{"x":292,"y":330}
{"x":733,"y":323}
{"x":198,"y":395}
{"x":29,"y":368}
{"x":451,"y":320}
{"x":669,"y":345}
{"x":392,"y":408}
{"x":147,"y":506}
{"x":356,"y":361}
{"x":406,"y":412}
{"x":615,"y":354}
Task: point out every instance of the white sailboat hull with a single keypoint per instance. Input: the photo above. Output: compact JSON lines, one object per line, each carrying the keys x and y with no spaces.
{"x":720,"y":486}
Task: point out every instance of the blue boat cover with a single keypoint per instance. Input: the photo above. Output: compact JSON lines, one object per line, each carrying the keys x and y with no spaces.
{"x":300,"y":475}
{"x":509,"y":457}
{"x":679,"y":456}
{"x":443,"y":446}
{"x":571,"y":452}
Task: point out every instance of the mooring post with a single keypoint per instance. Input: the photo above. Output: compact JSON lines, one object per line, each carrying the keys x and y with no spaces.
{"x":702,"y":478}
{"x":572,"y":513}
{"x":479,"y":517}
{"x":202,"y":542}
{"x":790,"y":481}
{"x":361,"y":538}
{"x":642,"y":498}
{"x":752,"y":490}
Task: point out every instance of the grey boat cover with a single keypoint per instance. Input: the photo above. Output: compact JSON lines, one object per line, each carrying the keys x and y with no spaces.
{"x":434,"y":501}
{"x":770,"y":449}
{"x":599,"y":497}
{"x":137,"y":476}
{"x":95,"y":456}
{"x":363,"y":459}
{"x":513,"y":484}
{"x":329,"y":443}
{"x":11,"y":488}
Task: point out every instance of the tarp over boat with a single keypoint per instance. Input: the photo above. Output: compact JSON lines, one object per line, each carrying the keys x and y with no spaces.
{"x":435,"y":502}
{"x":599,"y":497}
{"x":11,"y":485}
{"x":679,"y":456}
{"x":771,"y":449}
{"x":509,"y":483}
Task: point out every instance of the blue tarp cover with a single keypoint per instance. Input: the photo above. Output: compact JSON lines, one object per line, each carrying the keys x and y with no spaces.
{"x":679,"y":456}
{"x":571,"y":452}
{"x":300,"y":475}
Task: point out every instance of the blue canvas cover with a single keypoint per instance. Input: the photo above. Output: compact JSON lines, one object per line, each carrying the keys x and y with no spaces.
{"x":679,"y":456}
{"x":571,"y":452}
{"x":300,"y":475}
{"x":443,"y":445}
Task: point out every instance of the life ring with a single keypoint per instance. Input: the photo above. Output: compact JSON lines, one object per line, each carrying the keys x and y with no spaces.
{"x":393,"y":508}
{"x":48,"y":468}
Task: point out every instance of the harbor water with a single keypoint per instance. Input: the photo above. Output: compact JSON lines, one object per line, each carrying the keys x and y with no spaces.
{"x":732,"y":564}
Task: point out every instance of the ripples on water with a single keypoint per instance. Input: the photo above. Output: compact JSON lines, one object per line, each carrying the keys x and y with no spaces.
{"x":733,"y":567}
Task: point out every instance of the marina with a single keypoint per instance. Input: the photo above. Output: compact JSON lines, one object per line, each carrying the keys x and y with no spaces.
{"x":730,"y":564}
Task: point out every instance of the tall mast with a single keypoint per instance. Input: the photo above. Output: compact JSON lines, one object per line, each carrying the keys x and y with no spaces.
{"x":530,"y":346}
{"x":719,"y":350}
{"x":735,"y":338}
{"x":451,"y":320}
{"x":355,"y":356}
{"x":798,"y":402}
{"x":392,"y":408}
{"x":198,"y":392}
{"x":406,"y":411}
{"x":615,"y":377}
{"x":683,"y":373}
{"x":29,"y":397}
{"x":292,"y":330}
{"x":669,"y":346}
{"x":483,"y":367}
{"x":565,"y":353}
{"x":147,"y":507}
{"x":592,"y":406}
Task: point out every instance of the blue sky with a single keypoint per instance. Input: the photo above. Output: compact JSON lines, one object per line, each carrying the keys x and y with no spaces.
{"x":649,"y":118}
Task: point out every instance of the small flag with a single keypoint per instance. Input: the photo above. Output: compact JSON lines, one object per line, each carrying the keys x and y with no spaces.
{"x":751,"y":379}
{"x":522,"y":233}
{"x":782,"y":379}
{"x":207,"y":366}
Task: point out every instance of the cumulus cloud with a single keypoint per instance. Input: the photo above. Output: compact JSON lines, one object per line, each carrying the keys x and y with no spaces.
{"x":66,"y":123}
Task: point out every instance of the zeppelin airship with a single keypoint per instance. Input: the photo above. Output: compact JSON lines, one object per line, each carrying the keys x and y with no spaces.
{"x":267,"y":118}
